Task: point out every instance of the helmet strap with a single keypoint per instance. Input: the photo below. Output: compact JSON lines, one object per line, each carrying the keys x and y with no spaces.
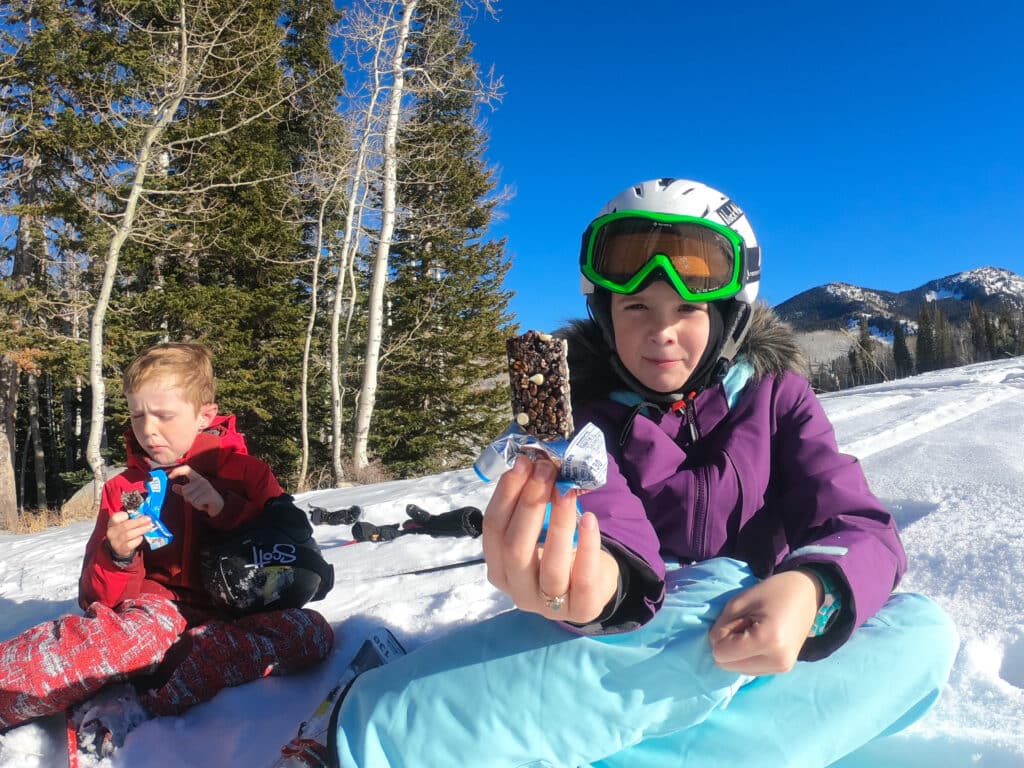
{"x":737,"y":323}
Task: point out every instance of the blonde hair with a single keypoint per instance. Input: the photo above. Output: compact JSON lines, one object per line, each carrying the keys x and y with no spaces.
{"x":188,"y":365}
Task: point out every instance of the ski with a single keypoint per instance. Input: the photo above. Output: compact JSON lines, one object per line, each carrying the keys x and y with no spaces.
{"x":406,"y":556}
{"x":310,"y":747}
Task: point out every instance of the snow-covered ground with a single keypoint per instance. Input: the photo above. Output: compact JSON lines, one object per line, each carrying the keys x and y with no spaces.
{"x":943,"y":450}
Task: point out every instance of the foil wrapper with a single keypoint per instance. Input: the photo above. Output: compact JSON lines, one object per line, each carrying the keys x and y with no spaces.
{"x":582,"y":461}
{"x":152,"y":504}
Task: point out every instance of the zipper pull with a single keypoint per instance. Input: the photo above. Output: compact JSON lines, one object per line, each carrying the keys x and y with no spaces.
{"x":686,"y":406}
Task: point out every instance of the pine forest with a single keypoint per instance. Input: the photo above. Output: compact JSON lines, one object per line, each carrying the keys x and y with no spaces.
{"x":300,"y":186}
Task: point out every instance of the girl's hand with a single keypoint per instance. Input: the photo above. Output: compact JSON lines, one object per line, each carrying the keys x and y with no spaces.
{"x":762,"y":629}
{"x":197,"y":491}
{"x":124,"y":534}
{"x":555,"y":579}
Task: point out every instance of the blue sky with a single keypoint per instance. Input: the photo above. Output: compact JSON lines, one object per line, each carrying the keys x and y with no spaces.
{"x":880,"y":144}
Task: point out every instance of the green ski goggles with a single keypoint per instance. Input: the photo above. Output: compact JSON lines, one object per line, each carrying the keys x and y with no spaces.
{"x":702,"y":260}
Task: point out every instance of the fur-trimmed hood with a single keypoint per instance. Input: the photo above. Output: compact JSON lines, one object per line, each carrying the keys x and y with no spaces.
{"x":770,"y":347}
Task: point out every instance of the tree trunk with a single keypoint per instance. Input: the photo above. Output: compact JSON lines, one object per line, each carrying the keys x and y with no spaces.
{"x":314,"y":292}
{"x":8,"y":405}
{"x":349,"y":247}
{"x":375,"y":318}
{"x":125,"y":226}
{"x":36,"y":438}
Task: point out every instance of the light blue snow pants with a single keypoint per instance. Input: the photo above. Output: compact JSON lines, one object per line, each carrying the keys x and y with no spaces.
{"x":519,"y":691}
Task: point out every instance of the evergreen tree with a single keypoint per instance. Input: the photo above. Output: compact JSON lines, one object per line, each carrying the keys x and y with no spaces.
{"x":904,"y":361}
{"x":442,"y":393}
{"x":866,"y":357}
{"x":927,"y":354}
{"x":945,"y":341}
{"x":980,"y":349}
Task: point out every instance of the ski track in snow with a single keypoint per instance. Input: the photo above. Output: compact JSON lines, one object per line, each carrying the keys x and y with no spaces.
{"x":942,"y":450}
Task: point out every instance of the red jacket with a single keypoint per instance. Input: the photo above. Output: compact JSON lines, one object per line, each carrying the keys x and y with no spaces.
{"x":218,"y":454}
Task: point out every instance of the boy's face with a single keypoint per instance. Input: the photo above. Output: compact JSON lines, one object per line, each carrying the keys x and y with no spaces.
{"x":659,"y":337}
{"x":164,"y":422}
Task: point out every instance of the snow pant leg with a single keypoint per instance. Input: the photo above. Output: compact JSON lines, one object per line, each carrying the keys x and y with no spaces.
{"x":882,"y":680}
{"x":220,"y":654}
{"x":58,"y":663}
{"x":519,"y":690}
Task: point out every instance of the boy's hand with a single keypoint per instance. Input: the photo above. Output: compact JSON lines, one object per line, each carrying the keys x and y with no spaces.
{"x":124,"y":534}
{"x":556,"y":580}
{"x":197,"y":490}
{"x":762,"y":629}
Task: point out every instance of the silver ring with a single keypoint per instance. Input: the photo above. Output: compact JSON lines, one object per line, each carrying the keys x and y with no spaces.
{"x":554,"y":602}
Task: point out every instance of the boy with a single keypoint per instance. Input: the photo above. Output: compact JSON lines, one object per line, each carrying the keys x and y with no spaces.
{"x":147,"y":617}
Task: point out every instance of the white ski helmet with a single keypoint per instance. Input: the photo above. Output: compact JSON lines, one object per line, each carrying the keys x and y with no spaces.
{"x":691,"y":198}
{"x":682,"y":197}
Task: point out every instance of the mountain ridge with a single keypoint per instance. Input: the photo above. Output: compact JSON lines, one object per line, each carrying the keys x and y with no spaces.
{"x":839,"y":305}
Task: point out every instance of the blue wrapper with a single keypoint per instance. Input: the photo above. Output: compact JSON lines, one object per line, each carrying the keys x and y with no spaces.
{"x":156,"y":488}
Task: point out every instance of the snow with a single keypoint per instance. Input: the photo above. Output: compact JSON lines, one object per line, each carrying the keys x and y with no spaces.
{"x":854,"y":293}
{"x":932,"y":296}
{"x":991,"y":281}
{"x":942,"y":450}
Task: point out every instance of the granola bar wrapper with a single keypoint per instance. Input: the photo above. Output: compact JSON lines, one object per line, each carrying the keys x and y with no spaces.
{"x":582,"y":461}
{"x":136,"y":505}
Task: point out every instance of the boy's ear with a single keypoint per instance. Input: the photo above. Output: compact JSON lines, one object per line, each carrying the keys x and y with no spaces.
{"x":207,"y":413}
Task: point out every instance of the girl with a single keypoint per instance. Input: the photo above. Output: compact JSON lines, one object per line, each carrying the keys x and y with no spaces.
{"x":728,"y":601}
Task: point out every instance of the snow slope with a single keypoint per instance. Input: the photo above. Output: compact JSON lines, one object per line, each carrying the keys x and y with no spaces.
{"x":943,"y":450}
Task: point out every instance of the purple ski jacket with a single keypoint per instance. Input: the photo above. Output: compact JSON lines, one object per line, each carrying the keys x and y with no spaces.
{"x":750,"y":470}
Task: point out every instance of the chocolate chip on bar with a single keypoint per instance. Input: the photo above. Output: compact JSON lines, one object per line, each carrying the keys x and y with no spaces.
{"x":539,"y":377}
{"x":131,"y":501}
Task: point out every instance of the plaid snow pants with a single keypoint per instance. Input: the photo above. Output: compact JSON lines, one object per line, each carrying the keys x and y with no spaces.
{"x":175,"y":658}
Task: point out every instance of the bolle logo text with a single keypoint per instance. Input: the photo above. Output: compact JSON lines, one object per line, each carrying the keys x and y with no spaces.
{"x":281,"y":553}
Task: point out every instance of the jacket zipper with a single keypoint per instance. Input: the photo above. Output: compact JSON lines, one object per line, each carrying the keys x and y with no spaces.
{"x":700,"y":503}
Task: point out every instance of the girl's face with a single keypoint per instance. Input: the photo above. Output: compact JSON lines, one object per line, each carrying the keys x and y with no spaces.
{"x":659,"y":337}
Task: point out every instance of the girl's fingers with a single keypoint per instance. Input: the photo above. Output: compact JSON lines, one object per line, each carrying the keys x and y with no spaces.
{"x":503,"y":500}
{"x":592,"y":587}
{"x":556,"y":564}
{"x":520,"y":542}
{"x":497,"y":515}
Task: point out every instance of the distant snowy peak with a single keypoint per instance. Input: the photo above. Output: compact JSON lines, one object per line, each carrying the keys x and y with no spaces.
{"x":841,"y":305}
{"x":989,"y":282}
{"x":853,"y":293}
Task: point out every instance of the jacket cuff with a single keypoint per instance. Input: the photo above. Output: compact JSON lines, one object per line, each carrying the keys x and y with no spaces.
{"x":841,"y":626}
{"x":124,"y":563}
{"x":640,"y":593}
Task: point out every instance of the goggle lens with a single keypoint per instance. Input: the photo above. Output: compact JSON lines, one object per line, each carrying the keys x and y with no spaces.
{"x":623,"y":250}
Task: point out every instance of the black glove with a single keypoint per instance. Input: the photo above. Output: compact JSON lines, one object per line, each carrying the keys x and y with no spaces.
{"x":464,"y":521}
{"x":344,"y":516}
{"x":364,"y":531}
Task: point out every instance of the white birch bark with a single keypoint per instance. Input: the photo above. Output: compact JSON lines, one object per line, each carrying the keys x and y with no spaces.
{"x":374,"y":30}
{"x":375,"y":310}
{"x":164,"y":116}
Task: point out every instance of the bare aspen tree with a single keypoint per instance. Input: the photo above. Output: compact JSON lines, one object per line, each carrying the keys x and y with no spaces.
{"x":328,"y":185}
{"x":398,"y":102}
{"x":375,"y":309}
{"x":9,"y":373}
{"x":371,"y":38}
{"x":201,"y":57}
{"x":123,"y":222}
